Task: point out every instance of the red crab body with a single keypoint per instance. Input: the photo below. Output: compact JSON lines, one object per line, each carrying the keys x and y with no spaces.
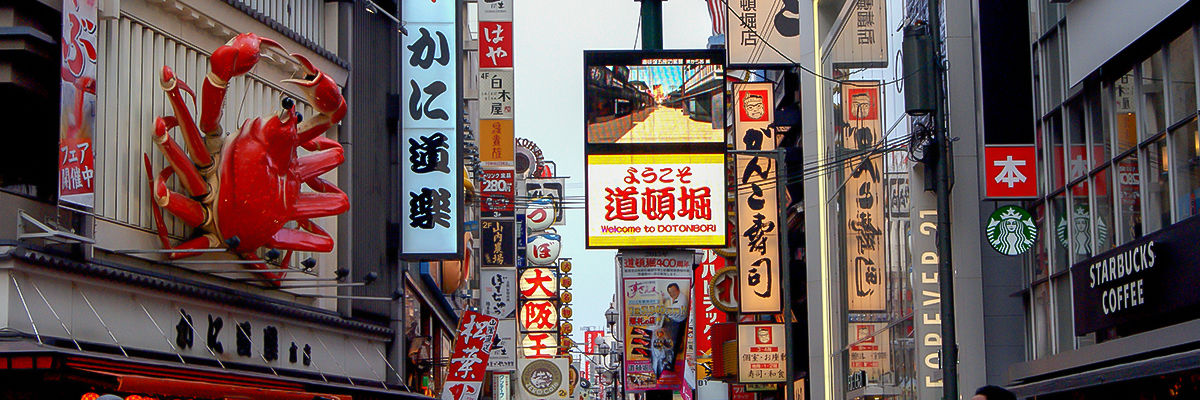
{"x":244,"y":197}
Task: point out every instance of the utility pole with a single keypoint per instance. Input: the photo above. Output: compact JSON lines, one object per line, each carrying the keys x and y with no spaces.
{"x":652,"y":36}
{"x":949,"y":356}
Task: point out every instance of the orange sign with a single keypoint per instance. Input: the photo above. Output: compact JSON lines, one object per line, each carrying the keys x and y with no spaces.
{"x":496,"y":142}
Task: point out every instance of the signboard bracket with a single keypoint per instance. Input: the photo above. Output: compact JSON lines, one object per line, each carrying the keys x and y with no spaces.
{"x":47,"y":232}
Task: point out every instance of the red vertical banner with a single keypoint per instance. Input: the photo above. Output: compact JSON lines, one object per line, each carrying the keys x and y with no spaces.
{"x":476,"y":332}
{"x":495,"y":45}
{"x":77,"y":106}
{"x":707,"y":314}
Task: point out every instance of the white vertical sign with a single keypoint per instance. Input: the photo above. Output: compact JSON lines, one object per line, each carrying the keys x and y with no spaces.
{"x":762,"y":33}
{"x":758,"y":208}
{"x":431,"y":167}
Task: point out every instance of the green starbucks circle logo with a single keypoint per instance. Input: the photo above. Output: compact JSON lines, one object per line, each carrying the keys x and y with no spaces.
{"x":1011,"y":230}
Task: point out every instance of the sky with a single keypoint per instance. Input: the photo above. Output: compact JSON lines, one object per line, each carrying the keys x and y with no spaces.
{"x":549,"y":39}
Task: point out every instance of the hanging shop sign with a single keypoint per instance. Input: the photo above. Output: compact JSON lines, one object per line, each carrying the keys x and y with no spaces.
{"x":1010,"y":171}
{"x":656,"y":200}
{"x":495,"y":44}
{"x":499,"y":286}
{"x":544,"y":379}
{"x":763,"y":33}
{"x":538,"y":283}
{"x":1145,"y":280}
{"x":543,"y":248}
{"x":496,"y":94}
{"x":870,"y":352}
{"x":552,"y":188}
{"x":431,"y":163}
{"x":724,"y":289}
{"x":861,"y":41}
{"x":927,"y":293}
{"x":655,"y":293}
{"x":758,"y":209}
{"x":539,"y":345}
{"x":1011,"y":230}
{"x":538,"y":316}
{"x":496,"y":195}
{"x":529,"y":158}
{"x":707,"y":314}
{"x":496,"y":143}
{"x":761,"y":355}
{"x":472,"y":348}
{"x":496,"y":10}
{"x":77,"y":104}
{"x":496,"y":243}
{"x":504,"y":349}
{"x":866,"y":281}
{"x":501,"y":386}
{"x":540,"y":213}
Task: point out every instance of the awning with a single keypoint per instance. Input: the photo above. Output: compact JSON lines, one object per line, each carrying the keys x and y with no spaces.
{"x":182,"y":388}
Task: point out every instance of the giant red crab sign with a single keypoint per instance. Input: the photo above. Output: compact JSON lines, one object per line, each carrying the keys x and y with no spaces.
{"x":240,"y":189}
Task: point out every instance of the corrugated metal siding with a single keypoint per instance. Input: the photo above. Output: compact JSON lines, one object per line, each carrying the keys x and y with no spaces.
{"x":375,"y":174}
{"x":132,"y":55}
{"x":305,"y":17}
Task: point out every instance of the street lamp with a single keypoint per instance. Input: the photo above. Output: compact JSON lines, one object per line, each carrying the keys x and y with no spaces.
{"x":611,"y":317}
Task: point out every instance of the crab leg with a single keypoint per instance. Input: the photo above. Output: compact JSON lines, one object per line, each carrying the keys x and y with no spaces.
{"x":329,"y":154}
{"x":315,"y":239}
{"x":196,"y":149}
{"x":324,"y":95}
{"x":235,"y":58}
{"x":192,"y":182}
{"x":191,"y":212}
{"x":327,"y":201}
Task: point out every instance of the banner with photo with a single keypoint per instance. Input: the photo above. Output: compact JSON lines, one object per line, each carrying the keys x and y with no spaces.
{"x":656,"y":292}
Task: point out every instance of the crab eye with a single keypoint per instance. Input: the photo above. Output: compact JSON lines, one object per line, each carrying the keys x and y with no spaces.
{"x":299,"y":117}
{"x":287,"y":103}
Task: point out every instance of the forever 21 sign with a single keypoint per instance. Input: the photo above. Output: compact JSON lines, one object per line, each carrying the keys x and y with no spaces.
{"x":1148,"y":279}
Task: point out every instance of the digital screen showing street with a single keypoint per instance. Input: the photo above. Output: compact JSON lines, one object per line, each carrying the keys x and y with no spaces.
{"x":654,"y":97}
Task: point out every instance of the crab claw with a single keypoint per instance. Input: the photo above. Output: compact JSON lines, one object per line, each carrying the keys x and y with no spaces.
{"x":239,"y":55}
{"x":324,"y":95}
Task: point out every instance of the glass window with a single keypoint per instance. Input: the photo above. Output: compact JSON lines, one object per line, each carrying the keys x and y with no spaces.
{"x":1058,"y":165}
{"x":1042,"y":330}
{"x":1101,"y":145}
{"x":1124,"y":111}
{"x":1129,"y":192}
{"x":1054,"y":71}
{"x":1064,"y":322}
{"x":1040,"y":262}
{"x":1158,"y":196}
{"x":1102,"y":213}
{"x":1078,"y":156}
{"x":1183,"y":77}
{"x":1151,"y":89}
{"x":1059,"y":222}
{"x":1187,"y":169}
{"x":1075,"y":226}
{"x":1037,"y":82}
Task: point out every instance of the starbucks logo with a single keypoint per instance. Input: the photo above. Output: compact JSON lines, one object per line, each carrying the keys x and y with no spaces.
{"x":541,"y":378}
{"x":1011,"y":230}
{"x":1081,"y":231}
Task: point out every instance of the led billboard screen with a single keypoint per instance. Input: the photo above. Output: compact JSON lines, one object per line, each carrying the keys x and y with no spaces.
{"x":636,"y":97}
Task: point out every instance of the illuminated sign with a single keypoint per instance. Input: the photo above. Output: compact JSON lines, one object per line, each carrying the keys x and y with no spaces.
{"x":431,"y":163}
{"x":761,"y":355}
{"x":538,"y":316}
{"x":654,"y":97}
{"x":648,"y":200}
{"x":538,"y":283}
{"x":757,"y":198}
{"x":656,"y":296}
{"x":866,"y":281}
{"x":539,"y":344}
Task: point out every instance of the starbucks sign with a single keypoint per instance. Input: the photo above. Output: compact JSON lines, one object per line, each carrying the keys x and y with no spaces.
{"x":1011,"y":230}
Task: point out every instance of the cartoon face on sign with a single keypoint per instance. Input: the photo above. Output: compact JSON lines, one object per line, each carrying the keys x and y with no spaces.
{"x":753,"y":106}
{"x":862,"y":105}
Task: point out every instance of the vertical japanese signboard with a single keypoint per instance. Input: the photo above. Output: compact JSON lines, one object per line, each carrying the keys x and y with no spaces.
{"x":496,"y":94}
{"x":77,"y":106}
{"x":870,"y":352}
{"x":707,"y":314}
{"x":495,"y":45}
{"x":496,"y":243}
{"x":646,"y":200}
{"x":761,"y":356}
{"x":504,"y":349}
{"x":431,"y":167}
{"x":471,"y":352}
{"x":499,"y":286}
{"x":861,"y":41}
{"x":865,"y":278}
{"x":763,"y":33}
{"x":757,"y":199}
{"x":495,"y":10}
{"x":496,"y":193}
{"x":656,"y":288}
